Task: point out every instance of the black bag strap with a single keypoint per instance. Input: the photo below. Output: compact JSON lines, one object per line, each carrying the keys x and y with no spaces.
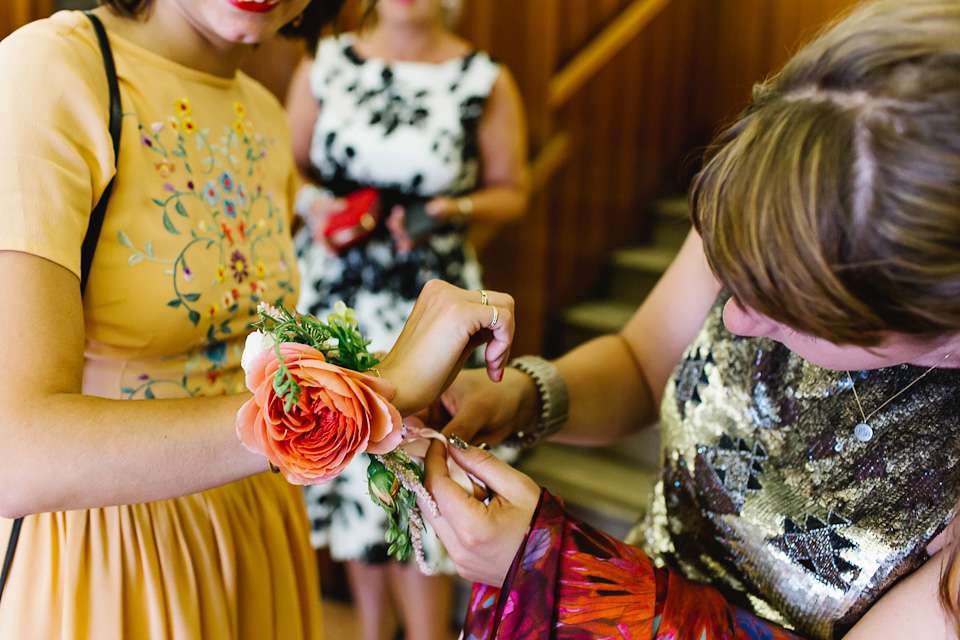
{"x":93,"y":228}
{"x":116,"y":122}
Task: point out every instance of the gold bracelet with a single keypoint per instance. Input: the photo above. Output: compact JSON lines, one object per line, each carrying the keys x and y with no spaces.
{"x":376,"y":372}
{"x":465,"y":206}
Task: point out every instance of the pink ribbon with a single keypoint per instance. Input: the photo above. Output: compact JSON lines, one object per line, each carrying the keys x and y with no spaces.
{"x":416,"y":441}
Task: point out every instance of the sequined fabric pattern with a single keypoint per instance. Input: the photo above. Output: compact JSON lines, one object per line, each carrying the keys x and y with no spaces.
{"x":767,"y":494}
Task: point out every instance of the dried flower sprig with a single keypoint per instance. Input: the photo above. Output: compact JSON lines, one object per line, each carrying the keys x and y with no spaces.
{"x":396,"y":481}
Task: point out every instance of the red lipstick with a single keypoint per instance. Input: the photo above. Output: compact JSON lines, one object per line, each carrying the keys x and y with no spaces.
{"x":254,"y":6}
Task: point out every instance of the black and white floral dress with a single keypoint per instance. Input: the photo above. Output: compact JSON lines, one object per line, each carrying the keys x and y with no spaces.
{"x":410,"y":130}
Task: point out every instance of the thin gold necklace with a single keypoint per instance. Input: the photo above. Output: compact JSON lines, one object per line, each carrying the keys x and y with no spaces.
{"x":863,"y":431}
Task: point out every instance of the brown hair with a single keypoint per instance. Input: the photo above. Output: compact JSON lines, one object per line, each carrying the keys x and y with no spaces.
{"x":308,"y":27}
{"x":833,"y":203}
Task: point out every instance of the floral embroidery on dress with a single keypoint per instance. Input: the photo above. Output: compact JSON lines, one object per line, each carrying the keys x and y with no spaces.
{"x":213,"y":197}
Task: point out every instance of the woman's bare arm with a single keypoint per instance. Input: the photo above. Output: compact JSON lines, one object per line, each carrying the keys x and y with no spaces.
{"x":615,"y":382}
{"x":63,"y":450}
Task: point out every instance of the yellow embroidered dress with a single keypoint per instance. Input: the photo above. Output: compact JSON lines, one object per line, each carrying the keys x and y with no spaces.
{"x":195,"y":235}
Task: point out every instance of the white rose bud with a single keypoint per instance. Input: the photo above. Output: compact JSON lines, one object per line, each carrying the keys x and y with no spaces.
{"x":257,"y":343}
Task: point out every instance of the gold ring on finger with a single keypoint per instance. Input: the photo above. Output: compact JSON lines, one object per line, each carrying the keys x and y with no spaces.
{"x":483,"y":297}
{"x":496,"y":317}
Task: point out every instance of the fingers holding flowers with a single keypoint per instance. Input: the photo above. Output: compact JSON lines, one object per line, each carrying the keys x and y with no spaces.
{"x":482,"y":537}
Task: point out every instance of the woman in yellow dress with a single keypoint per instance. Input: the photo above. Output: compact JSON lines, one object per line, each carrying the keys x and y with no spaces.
{"x":145,"y":516}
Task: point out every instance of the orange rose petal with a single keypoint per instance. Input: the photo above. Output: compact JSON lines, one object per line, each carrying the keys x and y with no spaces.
{"x":246,"y":423}
{"x":335,"y":417}
{"x":385,"y":424}
{"x":324,"y":375}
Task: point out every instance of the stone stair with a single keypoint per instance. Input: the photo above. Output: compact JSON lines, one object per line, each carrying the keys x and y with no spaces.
{"x":609,"y":486}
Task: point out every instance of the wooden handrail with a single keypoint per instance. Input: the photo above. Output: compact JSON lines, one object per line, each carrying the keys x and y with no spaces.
{"x":606,"y":45}
{"x":551,"y":157}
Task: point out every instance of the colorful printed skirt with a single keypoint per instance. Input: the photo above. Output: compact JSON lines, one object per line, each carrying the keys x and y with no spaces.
{"x":570,"y":580}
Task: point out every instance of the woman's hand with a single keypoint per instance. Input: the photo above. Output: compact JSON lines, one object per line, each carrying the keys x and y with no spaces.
{"x":315,"y":205}
{"x":320,"y":211}
{"x":482,"y":538}
{"x":396,"y":224}
{"x":447,"y":323}
{"x":440,"y":211}
{"x":481,"y":411}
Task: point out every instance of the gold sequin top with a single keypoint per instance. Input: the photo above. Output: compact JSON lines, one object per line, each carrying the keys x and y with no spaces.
{"x":767,"y":493}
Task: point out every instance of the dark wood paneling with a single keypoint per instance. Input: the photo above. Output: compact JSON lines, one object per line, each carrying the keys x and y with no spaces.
{"x":580,"y":21}
{"x":16,"y":13}
{"x":752,"y":39}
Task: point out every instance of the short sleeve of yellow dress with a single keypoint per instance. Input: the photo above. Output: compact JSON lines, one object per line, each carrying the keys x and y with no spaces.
{"x":195,"y":235}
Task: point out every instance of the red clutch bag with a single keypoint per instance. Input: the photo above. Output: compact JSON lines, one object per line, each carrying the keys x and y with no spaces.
{"x":356,"y":221}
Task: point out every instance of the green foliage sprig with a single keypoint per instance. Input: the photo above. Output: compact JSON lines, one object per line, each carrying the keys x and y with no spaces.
{"x":339,"y":340}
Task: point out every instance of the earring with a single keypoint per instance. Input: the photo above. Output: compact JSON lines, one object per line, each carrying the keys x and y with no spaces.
{"x":296,"y":22}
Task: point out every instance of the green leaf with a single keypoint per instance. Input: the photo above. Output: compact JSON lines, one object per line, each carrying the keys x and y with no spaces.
{"x":174,"y":303}
{"x":148,"y":248}
{"x":135,"y":258}
{"x":159,"y":202}
{"x":194,"y":317}
{"x":168,"y":224}
{"x":148,"y":394}
{"x":179,"y":153}
{"x":191,"y":297}
{"x":182,"y":210}
{"x":124,"y":240}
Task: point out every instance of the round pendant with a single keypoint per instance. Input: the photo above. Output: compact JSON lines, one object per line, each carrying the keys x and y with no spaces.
{"x":863,"y":432}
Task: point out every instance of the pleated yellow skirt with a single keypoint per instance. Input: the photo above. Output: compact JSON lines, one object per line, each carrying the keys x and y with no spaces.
{"x":230,"y":563}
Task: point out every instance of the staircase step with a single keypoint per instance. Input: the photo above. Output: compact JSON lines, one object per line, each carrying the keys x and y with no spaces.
{"x":634,"y":271}
{"x":640,"y":449}
{"x":670,"y":222}
{"x":589,"y":319}
{"x":605,"y":492}
{"x":674,"y":208}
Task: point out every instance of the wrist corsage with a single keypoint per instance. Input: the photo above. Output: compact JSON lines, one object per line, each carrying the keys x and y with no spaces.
{"x":313,"y":412}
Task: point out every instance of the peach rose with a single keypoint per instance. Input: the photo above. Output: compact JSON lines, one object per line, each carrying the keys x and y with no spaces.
{"x":336,"y":416}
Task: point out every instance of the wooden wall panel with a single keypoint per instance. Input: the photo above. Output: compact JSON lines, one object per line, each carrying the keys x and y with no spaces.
{"x":622,"y":123}
{"x":16,"y":13}
{"x":523,"y":36}
{"x":752,"y":39}
{"x":581,"y":21}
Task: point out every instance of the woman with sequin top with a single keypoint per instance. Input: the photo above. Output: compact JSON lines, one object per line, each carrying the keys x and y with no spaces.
{"x":807,"y":339}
